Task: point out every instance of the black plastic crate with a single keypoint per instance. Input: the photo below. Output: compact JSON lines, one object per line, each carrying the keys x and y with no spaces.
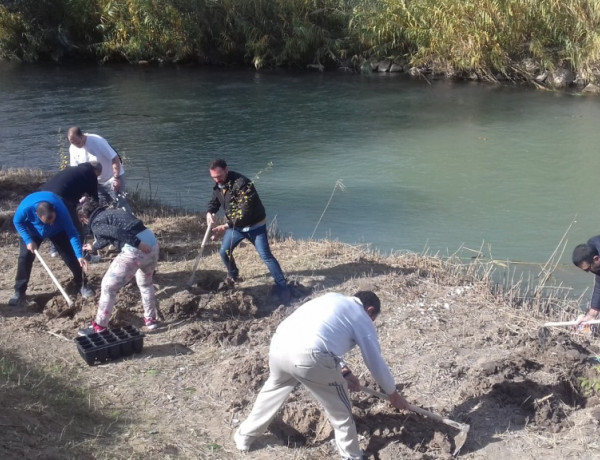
{"x":110,"y":344}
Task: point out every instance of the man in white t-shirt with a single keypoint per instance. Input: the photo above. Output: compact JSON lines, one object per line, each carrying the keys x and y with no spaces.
{"x":307,"y":348}
{"x":91,"y":147}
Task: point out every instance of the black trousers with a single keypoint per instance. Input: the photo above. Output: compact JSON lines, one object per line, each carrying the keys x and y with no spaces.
{"x":65,"y":250}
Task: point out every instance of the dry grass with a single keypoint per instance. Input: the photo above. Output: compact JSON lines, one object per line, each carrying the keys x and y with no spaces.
{"x":458,"y":343}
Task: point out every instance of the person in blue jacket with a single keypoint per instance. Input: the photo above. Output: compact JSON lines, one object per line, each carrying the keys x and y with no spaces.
{"x":40,"y":216}
{"x":72,"y":184}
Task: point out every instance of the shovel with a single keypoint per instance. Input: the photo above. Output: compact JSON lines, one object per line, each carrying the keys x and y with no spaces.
{"x":459,"y":439}
{"x":60,"y":288}
{"x":570,"y":323}
{"x":199,"y":256}
{"x":544,"y":333}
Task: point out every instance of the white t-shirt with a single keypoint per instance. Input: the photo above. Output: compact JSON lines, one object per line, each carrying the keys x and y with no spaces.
{"x":95,"y":149}
{"x":335,"y":323}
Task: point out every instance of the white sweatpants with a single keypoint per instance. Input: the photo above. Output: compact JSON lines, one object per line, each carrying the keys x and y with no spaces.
{"x":319,"y":372}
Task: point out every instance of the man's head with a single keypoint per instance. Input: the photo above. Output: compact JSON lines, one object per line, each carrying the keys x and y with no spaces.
{"x":46,"y":212}
{"x":586,"y":257}
{"x":218,"y":171}
{"x":76,"y":137}
{"x":371,"y":303}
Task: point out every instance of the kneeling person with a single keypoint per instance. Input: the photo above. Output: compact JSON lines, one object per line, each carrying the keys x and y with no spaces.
{"x":138,"y":257}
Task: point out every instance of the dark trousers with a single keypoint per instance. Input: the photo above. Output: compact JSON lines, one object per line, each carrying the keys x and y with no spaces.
{"x":65,"y":250}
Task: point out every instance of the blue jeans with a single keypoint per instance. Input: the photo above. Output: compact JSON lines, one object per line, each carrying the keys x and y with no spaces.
{"x":258,"y":237}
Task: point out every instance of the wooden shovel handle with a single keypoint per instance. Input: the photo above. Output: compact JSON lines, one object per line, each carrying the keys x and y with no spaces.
{"x":53,"y":278}
{"x":420,"y":410}
{"x":570,"y":323}
{"x":199,"y":256}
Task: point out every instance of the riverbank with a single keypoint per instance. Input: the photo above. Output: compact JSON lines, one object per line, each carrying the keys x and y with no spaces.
{"x":457,"y":346}
{"x":539,"y":42}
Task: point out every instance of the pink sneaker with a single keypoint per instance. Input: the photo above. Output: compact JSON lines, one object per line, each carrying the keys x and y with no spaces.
{"x":94,"y":328}
{"x":150,"y":323}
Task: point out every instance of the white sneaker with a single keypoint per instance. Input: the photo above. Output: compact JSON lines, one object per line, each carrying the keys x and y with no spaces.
{"x":242,"y":442}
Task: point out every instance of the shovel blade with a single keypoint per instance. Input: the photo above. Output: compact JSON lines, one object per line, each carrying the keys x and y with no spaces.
{"x":459,"y":440}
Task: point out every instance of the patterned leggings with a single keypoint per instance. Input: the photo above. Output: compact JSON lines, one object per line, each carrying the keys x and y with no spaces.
{"x":129,"y":262}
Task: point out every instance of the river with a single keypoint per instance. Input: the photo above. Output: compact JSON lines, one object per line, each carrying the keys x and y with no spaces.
{"x":437,"y":166}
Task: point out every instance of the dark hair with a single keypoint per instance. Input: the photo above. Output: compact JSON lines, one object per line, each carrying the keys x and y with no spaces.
{"x":369,"y":299}
{"x":44,"y":209}
{"x":86,"y":209}
{"x":584,"y":253}
{"x":76,"y":130}
{"x":217,"y":163}
{"x":97,"y":167}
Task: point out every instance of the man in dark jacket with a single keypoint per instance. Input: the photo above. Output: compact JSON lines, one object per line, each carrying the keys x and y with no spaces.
{"x":71,"y":184}
{"x":246,"y":219}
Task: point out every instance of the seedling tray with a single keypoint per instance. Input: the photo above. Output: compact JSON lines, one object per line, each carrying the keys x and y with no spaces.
{"x":110,"y":344}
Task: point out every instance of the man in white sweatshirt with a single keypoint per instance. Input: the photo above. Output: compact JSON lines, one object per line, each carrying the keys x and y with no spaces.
{"x":87,"y":147}
{"x":307,"y":348}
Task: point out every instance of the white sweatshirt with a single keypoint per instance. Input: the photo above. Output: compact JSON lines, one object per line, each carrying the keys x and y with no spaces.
{"x":96,"y":148}
{"x":335,"y":323}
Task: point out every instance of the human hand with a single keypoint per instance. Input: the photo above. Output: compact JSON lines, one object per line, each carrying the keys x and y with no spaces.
{"x":398,"y":401}
{"x":144,"y":247}
{"x":31,"y":247}
{"x":218,"y":231}
{"x":210,"y":219}
{"x":589,"y":316}
{"x":83,"y":263}
{"x":353,"y":382}
{"x":116,"y":184}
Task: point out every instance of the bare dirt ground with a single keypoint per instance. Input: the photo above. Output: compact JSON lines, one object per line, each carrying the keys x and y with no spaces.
{"x":456,"y":346}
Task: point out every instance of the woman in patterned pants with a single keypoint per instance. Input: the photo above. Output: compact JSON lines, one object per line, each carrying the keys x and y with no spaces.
{"x":138,"y":257}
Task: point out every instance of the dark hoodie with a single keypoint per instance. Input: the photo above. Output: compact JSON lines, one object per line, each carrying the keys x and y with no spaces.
{"x":111,"y":226}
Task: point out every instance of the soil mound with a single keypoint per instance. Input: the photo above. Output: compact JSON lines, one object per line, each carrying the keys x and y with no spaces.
{"x":457,"y":345}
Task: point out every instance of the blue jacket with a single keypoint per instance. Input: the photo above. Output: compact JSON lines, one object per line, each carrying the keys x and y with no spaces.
{"x":29,"y":225}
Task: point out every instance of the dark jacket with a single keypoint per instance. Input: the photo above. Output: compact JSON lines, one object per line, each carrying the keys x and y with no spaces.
{"x":239,"y":200}
{"x":73,"y":182}
{"x":111,"y":226}
{"x":595,"y":303}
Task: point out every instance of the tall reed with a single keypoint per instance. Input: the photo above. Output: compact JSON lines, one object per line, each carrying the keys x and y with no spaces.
{"x":487,"y":39}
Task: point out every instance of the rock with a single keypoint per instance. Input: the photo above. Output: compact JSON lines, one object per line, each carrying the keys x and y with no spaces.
{"x":381,"y":66}
{"x":591,"y":88}
{"x":394,"y":68}
{"x":541,"y":78}
{"x":561,"y":78}
{"x":319,"y":67}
